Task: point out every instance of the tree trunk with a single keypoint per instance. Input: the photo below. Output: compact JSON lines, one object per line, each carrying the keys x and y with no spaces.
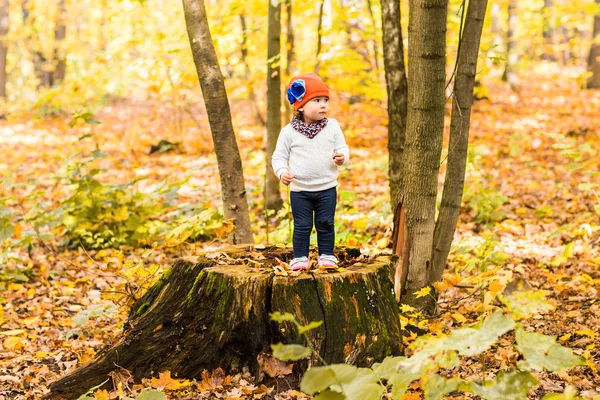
{"x":423,"y":146}
{"x":498,"y":37}
{"x":459,"y":137}
{"x":272,"y":195}
{"x":374,"y":41}
{"x":594,"y":57}
{"x":235,"y":204}
{"x":3,"y":45}
{"x":201,"y":315}
{"x":510,"y":74}
{"x":290,"y":50}
{"x":397,"y":90}
{"x":354,"y":29}
{"x":248,"y":74}
{"x":319,"y":36}
{"x":60,"y":33}
{"x":548,"y":30}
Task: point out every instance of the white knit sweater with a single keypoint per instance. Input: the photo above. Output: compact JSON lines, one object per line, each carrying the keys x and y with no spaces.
{"x":310,"y":160}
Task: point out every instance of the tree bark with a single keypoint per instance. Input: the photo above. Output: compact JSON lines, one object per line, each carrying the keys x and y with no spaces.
{"x":60,"y":33}
{"x":272,"y":195}
{"x":498,"y":37}
{"x":319,"y":37}
{"x":397,"y":91}
{"x":235,"y":204}
{"x":421,"y":159}
{"x":201,"y":315}
{"x":248,"y":74}
{"x":3,"y":45}
{"x":289,"y":59}
{"x":548,"y":30}
{"x":354,"y":28}
{"x":593,"y":81}
{"x":510,"y":74}
{"x":459,"y":137}
{"x":374,"y":41}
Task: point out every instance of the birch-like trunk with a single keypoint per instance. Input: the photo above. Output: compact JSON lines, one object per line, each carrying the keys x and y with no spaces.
{"x":235,"y":203}
{"x":374,"y":41}
{"x":548,"y":31}
{"x":423,"y":146}
{"x":3,"y":45}
{"x":272,"y":195}
{"x":512,"y":56}
{"x":459,"y":136}
{"x":397,"y":91}
{"x":594,"y":57}
{"x":289,"y":59}
{"x":248,"y":74}
{"x":319,"y":36}
{"x":60,"y":33}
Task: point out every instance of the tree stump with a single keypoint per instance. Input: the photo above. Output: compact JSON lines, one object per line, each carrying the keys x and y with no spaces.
{"x":203,"y":315}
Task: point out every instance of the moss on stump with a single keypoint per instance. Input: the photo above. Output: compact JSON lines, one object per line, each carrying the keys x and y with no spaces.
{"x":202,"y":315}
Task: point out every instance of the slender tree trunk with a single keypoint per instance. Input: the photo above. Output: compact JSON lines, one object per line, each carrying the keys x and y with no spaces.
{"x":548,"y":30}
{"x":374,"y":41}
{"x":290,"y":50}
{"x":565,"y":48}
{"x":272,"y":195}
{"x":235,"y":204}
{"x":510,"y":74}
{"x":594,"y":58}
{"x":397,"y":89}
{"x":60,"y":33}
{"x":423,"y":146}
{"x":459,"y":137}
{"x":319,"y":37}
{"x":3,"y":45}
{"x":496,"y":28}
{"x":248,"y":74}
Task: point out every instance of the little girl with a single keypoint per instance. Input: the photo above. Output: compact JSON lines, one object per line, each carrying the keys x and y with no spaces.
{"x":308,"y":152}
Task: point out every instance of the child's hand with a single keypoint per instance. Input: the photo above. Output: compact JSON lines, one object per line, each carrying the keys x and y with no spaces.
{"x":286,"y":178}
{"x":338,"y":158}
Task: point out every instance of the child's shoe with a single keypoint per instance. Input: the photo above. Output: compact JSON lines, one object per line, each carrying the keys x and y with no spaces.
{"x":299,"y":264}
{"x":327,"y":261}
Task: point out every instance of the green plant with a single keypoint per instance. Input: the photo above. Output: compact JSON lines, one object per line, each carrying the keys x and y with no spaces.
{"x":485,"y":203}
{"x":434,"y":354}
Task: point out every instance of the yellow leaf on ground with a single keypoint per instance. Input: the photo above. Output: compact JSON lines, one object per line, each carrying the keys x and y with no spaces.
{"x":458,"y":317}
{"x":565,"y":337}
{"x":405,"y":308}
{"x":101,"y":394}
{"x":13,"y":332}
{"x":12,"y":343}
{"x":164,"y":381}
{"x":423,"y":292}
{"x":495,"y":288}
{"x":586,"y":332}
{"x":14,"y":287}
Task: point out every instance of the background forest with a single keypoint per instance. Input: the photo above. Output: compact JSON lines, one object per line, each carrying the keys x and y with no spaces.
{"x":109,"y":174}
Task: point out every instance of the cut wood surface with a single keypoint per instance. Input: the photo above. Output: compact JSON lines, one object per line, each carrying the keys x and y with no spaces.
{"x":206,"y":313}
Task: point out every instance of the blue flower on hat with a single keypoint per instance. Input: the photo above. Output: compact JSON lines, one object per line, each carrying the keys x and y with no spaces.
{"x":296,"y":91}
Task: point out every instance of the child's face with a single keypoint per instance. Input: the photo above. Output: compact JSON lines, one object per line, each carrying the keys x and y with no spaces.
{"x":316,"y":109}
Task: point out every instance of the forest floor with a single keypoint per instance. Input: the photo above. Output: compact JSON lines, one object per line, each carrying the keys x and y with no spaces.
{"x":528,"y":216}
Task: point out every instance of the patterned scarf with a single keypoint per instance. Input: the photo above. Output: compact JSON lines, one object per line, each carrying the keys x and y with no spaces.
{"x":308,"y":130}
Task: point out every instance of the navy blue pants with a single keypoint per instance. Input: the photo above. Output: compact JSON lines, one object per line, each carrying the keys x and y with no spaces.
{"x":316,"y":208}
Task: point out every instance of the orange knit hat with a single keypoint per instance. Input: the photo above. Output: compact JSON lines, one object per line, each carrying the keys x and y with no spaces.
{"x":303,"y":88}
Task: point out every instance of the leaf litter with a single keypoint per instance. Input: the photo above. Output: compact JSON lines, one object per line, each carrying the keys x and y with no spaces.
{"x":545,"y":237}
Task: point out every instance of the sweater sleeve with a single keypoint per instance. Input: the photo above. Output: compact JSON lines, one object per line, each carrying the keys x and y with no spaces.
{"x":281,"y":155}
{"x":340,"y":145}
